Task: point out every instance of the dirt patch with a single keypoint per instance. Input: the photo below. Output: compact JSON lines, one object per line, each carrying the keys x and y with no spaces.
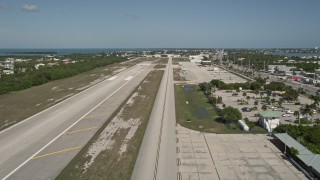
{"x":178,"y":75}
{"x":106,"y":138}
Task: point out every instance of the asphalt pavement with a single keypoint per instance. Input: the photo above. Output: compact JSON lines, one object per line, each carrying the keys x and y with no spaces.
{"x":42,"y":145}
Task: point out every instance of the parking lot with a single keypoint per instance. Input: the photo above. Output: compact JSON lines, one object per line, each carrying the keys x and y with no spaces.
{"x":229,"y":100}
{"x":198,"y":74}
{"x":207,"y":156}
{"x":202,"y":156}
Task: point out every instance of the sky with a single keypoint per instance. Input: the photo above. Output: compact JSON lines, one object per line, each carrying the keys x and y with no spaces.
{"x":159,"y":23}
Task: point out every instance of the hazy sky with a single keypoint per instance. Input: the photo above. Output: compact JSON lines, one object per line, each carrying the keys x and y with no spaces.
{"x":159,"y":23}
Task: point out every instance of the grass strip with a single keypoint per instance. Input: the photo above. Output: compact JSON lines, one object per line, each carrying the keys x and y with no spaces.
{"x":194,"y":111}
{"x":177,"y":75}
{"x":109,"y":164}
{"x":238,"y":74}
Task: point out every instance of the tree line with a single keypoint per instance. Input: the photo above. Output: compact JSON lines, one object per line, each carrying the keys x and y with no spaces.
{"x":24,"y":80}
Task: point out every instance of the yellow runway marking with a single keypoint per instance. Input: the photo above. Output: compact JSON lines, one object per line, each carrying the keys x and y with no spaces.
{"x":86,"y":129}
{"x":96,"y":115}
{"x":64,"y":150}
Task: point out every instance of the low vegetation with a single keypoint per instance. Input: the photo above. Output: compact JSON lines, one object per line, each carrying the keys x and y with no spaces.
{"x":195,"y":111}
{"x":24,"y":80}
{"x":302,"y":121}
{"x":161,"y":63}
{"x":177,"y":75}
{"x":177,"y":60}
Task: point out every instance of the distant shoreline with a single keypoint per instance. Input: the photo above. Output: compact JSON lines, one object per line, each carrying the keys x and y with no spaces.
{"x":68,"y":51}
{"x":31,"y":52}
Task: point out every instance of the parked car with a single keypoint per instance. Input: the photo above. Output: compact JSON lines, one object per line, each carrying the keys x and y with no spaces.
{"x":289,"y":112}
{"x":286,"y":115}
{"x":246,"y":109}
{"x":305,"y":118}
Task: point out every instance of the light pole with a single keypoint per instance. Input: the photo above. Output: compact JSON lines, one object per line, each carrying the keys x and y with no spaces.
{"x":314,"y":77}
{"x":269,"y":122}
{"x":285,"y":145}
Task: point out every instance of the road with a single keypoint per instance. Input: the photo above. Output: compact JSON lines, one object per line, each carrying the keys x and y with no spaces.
{"x":309,"y":88}
{"x":157,"y":155}
{"x":42,"y":145}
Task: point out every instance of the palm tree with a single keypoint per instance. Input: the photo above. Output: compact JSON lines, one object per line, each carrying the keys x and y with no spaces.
{"x":316,"y":100}
{"x":256,"y":92}
{"x":244,"y":94}
{"x":274,"y":95}
{"x":297,"y":114}
{"x":306,"y":110}
{"x":261,"y":94}
{"x":264,"y":107}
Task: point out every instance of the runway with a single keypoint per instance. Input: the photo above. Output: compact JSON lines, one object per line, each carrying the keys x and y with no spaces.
{"x":42,"y":145}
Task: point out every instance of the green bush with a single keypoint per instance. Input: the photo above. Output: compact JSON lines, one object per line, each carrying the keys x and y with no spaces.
{"x":303,"y":121}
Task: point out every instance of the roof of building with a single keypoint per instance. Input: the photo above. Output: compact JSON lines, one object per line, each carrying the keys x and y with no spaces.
{"x":310,"y":159}
{"x":269,"y":114}
{"x":290,"y":142}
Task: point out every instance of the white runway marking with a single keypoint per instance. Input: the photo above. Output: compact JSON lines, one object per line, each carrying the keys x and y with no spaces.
{"x":129,"y":78}
{"x":17,"y":140}
{"x":112,"y":78}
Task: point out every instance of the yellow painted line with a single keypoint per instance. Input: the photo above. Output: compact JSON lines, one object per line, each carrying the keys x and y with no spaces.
{"x":178,"y":162}
{"x":64,"y":150}
{"x":177,"y":150}
{"x":86,"y":129}
{"x":96,"y":115}
{"x":179,"y":177}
